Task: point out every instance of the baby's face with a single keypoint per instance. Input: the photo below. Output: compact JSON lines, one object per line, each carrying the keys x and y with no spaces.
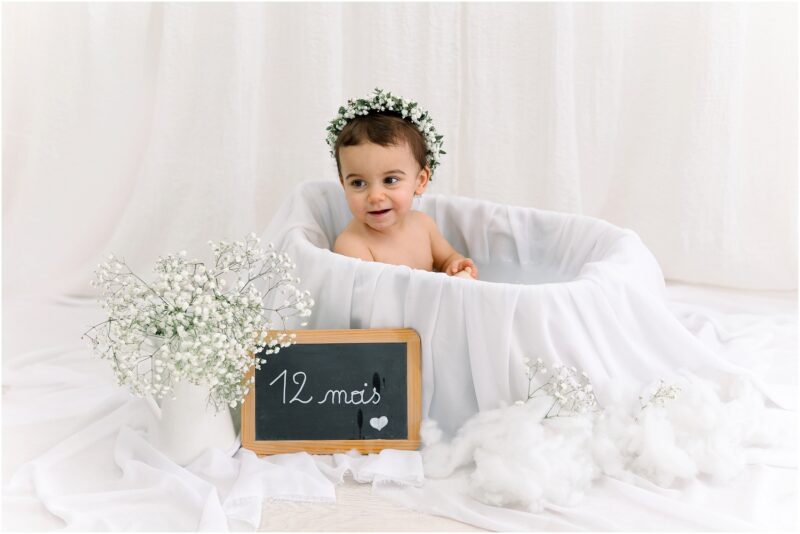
{"x":380,"y":182}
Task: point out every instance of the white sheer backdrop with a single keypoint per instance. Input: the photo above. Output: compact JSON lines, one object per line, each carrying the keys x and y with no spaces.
{"x":148,"y":128}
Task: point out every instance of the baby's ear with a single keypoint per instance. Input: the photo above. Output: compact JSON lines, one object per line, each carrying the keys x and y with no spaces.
{"x":423,"y":178}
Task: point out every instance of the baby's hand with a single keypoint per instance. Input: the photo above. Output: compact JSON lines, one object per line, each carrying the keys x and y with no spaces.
{"x":462,"y":267}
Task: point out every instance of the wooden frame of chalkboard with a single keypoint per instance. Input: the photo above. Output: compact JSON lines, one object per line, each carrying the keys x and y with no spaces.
{"x":267,"y":430}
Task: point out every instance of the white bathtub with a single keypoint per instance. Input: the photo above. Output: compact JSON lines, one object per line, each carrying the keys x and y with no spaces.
{"x":564,"y":288}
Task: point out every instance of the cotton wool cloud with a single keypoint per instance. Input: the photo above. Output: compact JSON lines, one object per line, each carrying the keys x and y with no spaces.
{"x":517,"y":457}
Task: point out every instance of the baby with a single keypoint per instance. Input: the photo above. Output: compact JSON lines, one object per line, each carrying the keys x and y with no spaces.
{"x":382,"y":165}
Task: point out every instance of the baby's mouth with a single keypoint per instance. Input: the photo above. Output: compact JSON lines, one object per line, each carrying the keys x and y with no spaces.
{"x":379,"y":212}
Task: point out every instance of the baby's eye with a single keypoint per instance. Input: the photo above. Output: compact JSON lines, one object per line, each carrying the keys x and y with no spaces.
{"x":357,"y":183}
{"x":391,"y":180}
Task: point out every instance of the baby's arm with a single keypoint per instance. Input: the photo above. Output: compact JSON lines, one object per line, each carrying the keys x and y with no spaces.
{"x":445,"y":257}
{"x":348,"y":244}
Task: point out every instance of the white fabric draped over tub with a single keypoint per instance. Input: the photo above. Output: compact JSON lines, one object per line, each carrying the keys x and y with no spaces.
{"x":566,"y":288}
{"x":76,"y":449}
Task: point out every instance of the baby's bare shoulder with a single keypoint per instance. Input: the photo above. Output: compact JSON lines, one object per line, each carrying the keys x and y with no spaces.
{"x":423,"y":219}
{"x":349,"y":243}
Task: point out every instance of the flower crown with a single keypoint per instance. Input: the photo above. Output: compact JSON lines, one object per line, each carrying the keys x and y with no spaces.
{"x":380,"y":100}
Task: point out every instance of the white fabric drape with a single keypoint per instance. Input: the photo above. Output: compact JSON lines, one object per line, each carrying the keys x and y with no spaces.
{"x":148,"y":128}
{"x":571,"y":289}
{"x":75,"y":452}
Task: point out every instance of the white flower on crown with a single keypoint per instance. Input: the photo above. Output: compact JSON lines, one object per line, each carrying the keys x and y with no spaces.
{"x":380,"y":100}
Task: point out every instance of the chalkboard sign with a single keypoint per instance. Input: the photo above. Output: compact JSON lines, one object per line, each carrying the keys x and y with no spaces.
{"x":336,"y":390}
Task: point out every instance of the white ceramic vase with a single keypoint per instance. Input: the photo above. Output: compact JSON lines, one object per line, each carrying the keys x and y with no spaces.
{"x":185,"y":427}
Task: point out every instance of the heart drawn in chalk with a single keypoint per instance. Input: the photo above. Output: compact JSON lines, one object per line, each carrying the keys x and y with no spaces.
{"x":378,"y":422}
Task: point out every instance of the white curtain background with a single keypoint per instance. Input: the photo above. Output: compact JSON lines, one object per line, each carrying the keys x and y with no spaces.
{"x":143,"y":129}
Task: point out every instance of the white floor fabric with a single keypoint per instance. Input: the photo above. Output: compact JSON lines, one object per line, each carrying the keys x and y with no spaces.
{"x":75,"y":454}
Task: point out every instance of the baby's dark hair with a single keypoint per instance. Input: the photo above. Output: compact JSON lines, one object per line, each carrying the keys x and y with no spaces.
{"x":384,"y":128}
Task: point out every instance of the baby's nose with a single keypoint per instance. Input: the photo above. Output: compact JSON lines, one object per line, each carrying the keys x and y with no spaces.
{"x":375,"y":194}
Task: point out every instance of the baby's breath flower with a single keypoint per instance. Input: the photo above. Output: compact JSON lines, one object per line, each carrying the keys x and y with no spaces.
{"x":186,"y":325}
{"x":660,"y":393}
{"x":571,"y":391}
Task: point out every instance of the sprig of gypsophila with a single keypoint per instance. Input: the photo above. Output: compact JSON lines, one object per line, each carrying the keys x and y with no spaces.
{"x":661,"y":392}
{"x":571,"y":392}
{"x":195,"y":323}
